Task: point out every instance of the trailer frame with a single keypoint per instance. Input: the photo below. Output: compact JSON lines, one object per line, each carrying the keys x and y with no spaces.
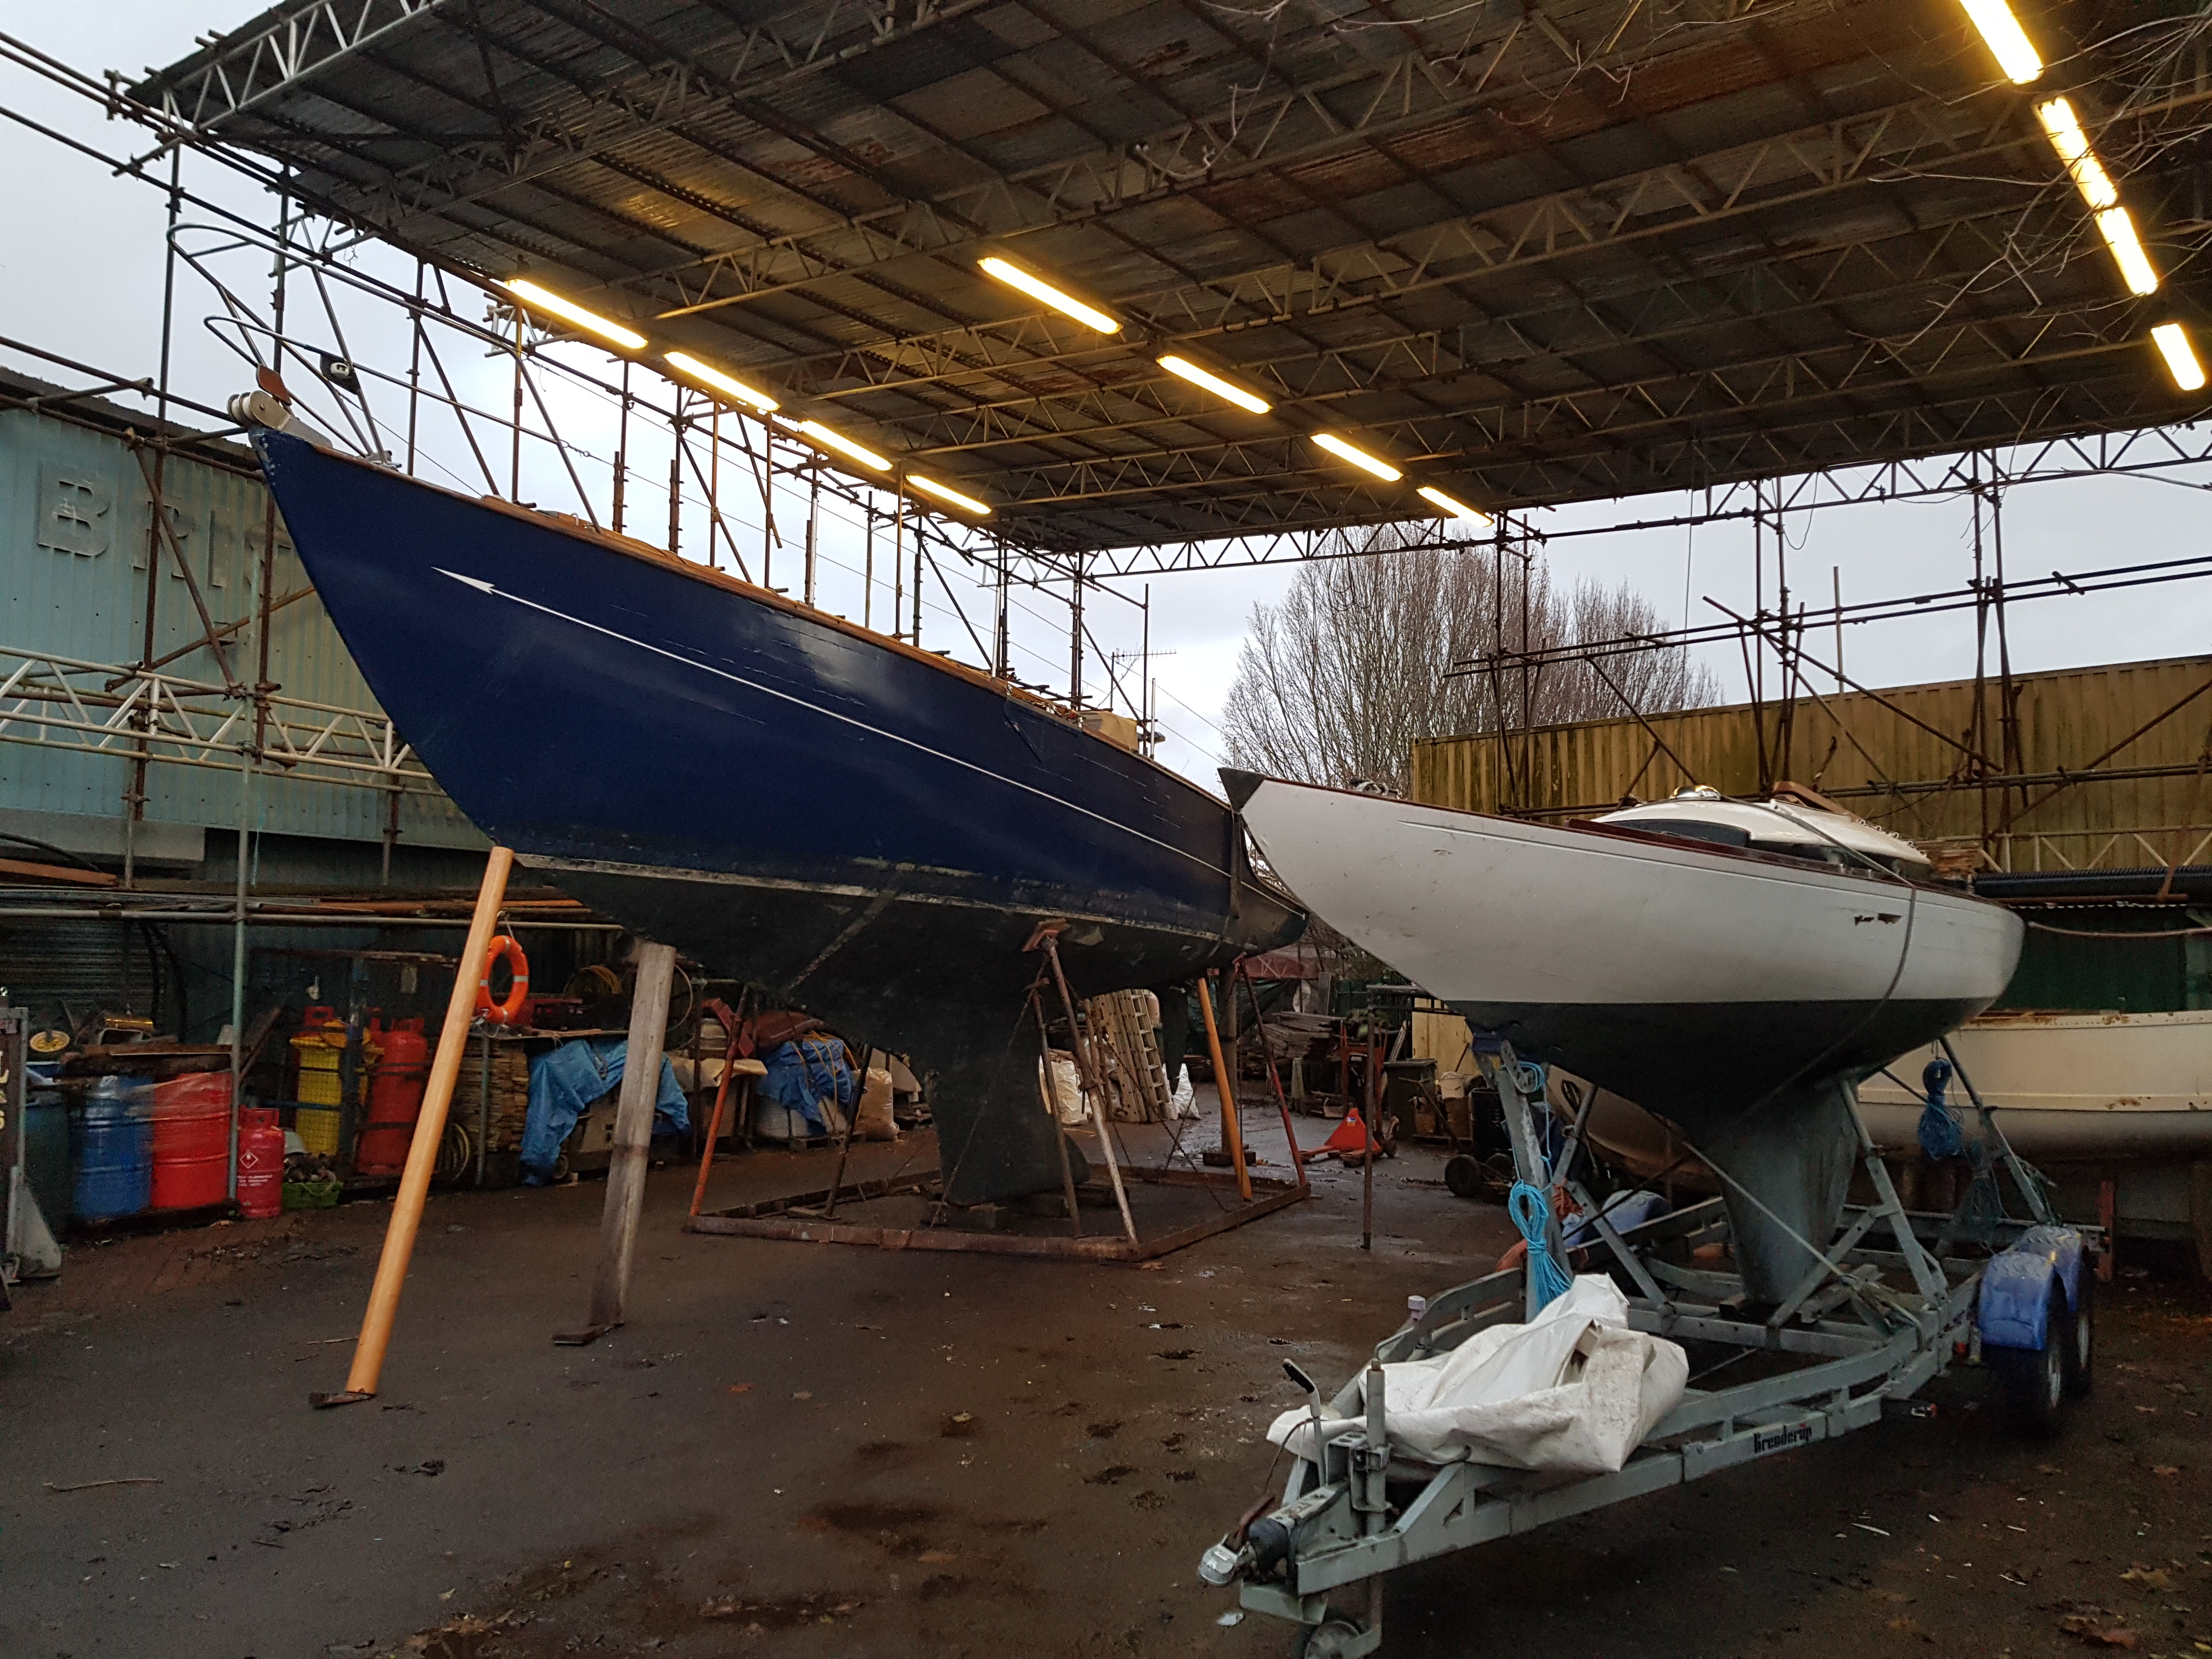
{"x":1872,"y":1322}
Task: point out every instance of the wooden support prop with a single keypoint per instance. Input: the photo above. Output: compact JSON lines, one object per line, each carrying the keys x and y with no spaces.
{"x":423,"y":1150}
{"x":1225,"y":1084}
{"x":640,"y":1084}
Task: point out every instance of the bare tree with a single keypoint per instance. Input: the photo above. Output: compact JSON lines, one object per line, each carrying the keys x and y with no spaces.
{"x":1335,"y":683}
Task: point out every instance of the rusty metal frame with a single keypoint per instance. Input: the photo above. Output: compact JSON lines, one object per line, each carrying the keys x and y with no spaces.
{"x":773,"y":1219}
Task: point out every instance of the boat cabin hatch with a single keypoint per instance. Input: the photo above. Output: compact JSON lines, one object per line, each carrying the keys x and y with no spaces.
{"x":1793,"y":822}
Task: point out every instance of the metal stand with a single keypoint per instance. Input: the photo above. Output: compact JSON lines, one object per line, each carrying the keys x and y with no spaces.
{"x":27,"y":1249}
{"x":799,"y":1217}
{"x":1869,"y":1326}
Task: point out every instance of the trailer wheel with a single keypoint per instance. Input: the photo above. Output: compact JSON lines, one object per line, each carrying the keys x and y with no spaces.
{"x":1463,"y":1176}
{"x":2081,"y":1335}
{"x":1325,"y":1640}
{"x":2032,"y":1382}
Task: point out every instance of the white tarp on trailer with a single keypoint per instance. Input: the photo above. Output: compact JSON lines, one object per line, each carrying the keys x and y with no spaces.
{"x":1573,"y":1389}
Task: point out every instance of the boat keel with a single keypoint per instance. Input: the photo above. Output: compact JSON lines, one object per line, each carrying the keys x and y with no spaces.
{"x":1785,"y":1166}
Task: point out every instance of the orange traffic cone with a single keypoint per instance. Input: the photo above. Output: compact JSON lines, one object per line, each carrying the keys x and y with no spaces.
{"x":1349,"y":1140}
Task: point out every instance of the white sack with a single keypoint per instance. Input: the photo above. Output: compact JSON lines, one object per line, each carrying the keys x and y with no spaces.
{"x":1573,"y":1389}
{"x":704,"y":1073}
{"x":1062,"y":1091}
{"x":872,"y":1115}
{"x":1185,"y":1102}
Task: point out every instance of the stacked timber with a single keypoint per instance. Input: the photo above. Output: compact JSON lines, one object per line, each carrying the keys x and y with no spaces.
{"x":510,"y":1092}
{"x":1291,"y":1035}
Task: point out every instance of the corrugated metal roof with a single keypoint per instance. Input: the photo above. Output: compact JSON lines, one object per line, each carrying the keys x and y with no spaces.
{"x":1539,"y":253}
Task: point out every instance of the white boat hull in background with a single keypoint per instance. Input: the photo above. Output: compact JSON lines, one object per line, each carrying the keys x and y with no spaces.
{"x":2080,"y":1087}
{"x":1739,"y":994}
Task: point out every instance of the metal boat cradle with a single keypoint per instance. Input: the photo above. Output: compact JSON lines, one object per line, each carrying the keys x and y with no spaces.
{"x":1876,"y":1317}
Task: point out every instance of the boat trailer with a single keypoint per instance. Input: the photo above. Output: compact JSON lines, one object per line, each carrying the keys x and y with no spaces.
{"x":1893,"y":1301}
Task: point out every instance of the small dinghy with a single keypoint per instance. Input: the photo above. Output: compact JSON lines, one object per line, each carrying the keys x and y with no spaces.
{"x":1735,"y":967}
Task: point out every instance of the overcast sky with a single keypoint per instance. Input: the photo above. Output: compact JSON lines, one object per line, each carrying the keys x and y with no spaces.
{"x":81,"y":275}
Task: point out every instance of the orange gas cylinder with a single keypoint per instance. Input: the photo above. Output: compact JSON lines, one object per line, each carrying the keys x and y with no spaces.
{"x":395,"y":1100}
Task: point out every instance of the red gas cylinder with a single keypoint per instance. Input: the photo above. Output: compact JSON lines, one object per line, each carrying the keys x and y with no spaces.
{"x":395,"y":1100}
{"x":191,"y":1141}
{"x":260,"y":1163}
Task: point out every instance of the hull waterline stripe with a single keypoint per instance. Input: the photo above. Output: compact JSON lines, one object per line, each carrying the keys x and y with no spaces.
{"x":483,"y":586}
{"x":681,"y":875}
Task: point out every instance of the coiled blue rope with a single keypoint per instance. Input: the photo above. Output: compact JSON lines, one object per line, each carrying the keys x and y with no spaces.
{"x":1532,"y":1214}
{"x":1939,"y":1134}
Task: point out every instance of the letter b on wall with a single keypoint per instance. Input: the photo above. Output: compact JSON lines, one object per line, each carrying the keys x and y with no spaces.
{"x":73,"y":512}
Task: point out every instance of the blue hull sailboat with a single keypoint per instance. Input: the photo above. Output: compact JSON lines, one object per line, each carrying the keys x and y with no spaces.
{"x":863,"y":829}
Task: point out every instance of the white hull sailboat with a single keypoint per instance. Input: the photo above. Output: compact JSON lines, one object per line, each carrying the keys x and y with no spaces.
{"x":1736,"y":968}
{"x":2103,"y":1088}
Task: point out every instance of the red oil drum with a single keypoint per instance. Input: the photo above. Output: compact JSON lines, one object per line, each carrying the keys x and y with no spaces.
{"x":260,"y":1163}
{"x":395,"y":1100}
{"x":191,"y":1141}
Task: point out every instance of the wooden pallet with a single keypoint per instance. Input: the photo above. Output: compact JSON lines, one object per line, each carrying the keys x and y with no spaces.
{"x":1128,"y":1022}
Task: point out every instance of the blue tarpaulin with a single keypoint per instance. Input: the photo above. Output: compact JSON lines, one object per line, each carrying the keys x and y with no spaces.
{"x":808,"y":1091}
{"x":566,"y":1081}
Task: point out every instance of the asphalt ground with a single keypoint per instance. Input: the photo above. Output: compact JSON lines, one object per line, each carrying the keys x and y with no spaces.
{"x":814,"y":1449}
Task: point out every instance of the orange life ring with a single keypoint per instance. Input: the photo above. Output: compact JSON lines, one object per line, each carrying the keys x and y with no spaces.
{"x":509,"y":1012}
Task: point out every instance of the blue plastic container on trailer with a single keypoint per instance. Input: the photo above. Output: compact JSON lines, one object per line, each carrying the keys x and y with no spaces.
{"x":111,"y":1148}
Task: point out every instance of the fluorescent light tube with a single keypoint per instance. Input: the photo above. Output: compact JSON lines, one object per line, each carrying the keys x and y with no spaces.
{"x":1038,"y":289}
{"x":2136,"y":268}
{"x":947,"y":493}
{"x":2015,"y":53}
{"x":843,"y":444}
{"x":538,"y":299}
{"x":2072,"y":146}
{"x":2180,"y":355}
{"x":1457,"y":509}
{"x":1358,"y":457}
{"x":721,"y":382}
{"x":1213,"y":383}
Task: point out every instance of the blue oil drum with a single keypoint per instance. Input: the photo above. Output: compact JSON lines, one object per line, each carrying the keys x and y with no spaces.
{"x":46,"y":1153}
{"x":112,"y":1149}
